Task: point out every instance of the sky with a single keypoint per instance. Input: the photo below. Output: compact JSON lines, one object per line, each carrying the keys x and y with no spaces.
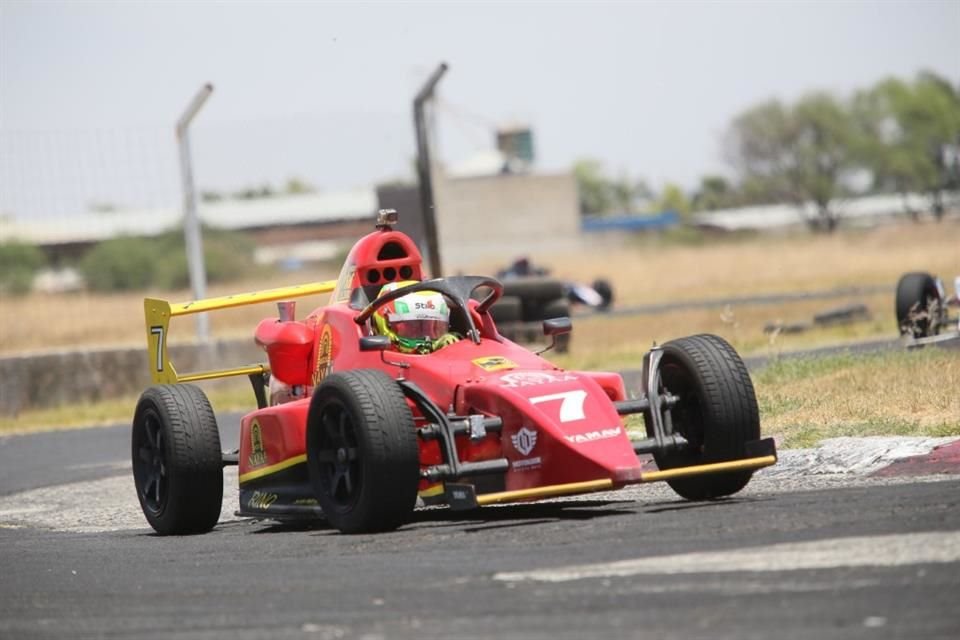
{"x":322,"y":91}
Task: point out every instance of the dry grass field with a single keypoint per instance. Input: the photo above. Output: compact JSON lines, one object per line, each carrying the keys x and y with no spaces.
{"x":643,"y":272}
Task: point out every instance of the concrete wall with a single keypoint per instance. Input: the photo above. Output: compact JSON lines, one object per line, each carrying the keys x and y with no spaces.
{"x":500,"y":217}
{"x":46,"y":380}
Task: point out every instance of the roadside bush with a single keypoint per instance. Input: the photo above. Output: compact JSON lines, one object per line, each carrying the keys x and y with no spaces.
{"x":120,"y":264}
{"x":19,"y":263}
{"x":126,"y":263}
{"x":227,"y":256}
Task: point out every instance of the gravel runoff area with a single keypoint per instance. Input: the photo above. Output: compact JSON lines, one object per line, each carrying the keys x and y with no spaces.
{"x":110,"y":504}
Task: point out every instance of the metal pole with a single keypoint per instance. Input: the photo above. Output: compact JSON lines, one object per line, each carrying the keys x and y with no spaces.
{"x":423,"y":171}
{"x":191,"y":224}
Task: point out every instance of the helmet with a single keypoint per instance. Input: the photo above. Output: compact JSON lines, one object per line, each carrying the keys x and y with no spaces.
{"x":414,"y":321}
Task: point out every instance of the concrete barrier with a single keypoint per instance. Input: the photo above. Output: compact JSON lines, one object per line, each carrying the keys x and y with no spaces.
{"x":53,"y":379}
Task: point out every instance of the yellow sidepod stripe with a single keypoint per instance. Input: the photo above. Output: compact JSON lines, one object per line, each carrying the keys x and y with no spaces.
{"x":431,"y":491}
{"x":273,"y":468}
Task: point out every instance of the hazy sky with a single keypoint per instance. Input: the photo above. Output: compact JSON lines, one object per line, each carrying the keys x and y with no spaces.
{"x":89,"y":91}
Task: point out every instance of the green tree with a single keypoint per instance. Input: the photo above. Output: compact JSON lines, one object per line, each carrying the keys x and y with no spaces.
{"x":19,"y":263}
{"x":296,"y":186}
{"x":800,"y":153}
{"x":673,"y":198}
{"x":911,"y":136}
{"x":715,"y":192}
{"x":600,"y":194}
{"x":594,"y":187}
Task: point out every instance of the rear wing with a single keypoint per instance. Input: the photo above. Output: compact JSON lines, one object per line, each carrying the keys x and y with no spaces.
{"x":157,"y":314}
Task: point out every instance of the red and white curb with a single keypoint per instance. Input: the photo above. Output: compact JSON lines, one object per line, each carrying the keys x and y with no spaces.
{"x":871,"y":456}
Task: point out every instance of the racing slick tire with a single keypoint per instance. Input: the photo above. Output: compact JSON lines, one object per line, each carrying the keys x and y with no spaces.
{"x":605,"y":289}
{"x":362,"y":451}
{"x":716,"y":412}
{"x":917,"y":304}
{"x":177,"y":460}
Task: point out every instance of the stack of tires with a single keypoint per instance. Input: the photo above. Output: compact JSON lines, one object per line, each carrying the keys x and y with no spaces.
{"x":525,"y":304}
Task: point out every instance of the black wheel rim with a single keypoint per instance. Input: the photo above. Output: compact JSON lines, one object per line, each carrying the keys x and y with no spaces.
{"x":338,"y":456}
{"x":151,"y":463}
{"x":687,"y":414}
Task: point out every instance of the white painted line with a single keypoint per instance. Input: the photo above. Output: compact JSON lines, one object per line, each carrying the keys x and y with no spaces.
{"x":866,"y":551}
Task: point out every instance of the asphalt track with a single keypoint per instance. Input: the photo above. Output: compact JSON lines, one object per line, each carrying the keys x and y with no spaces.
{"x":817,"y":547}
{"x":795,"y":555}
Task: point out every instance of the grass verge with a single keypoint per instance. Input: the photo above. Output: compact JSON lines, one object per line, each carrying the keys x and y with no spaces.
{"x":900,"y":393}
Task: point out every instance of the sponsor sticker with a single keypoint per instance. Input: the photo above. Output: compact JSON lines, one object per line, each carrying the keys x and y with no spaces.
{"x":261,"y":500}
{"x":592,"y":436}
{"x":257,"y":455}
{"x":526,"y":463}
{"x":520,"y":379}
{"x":524,"y":440}
{"x":494,"y":363}
{"x":324,"y":353}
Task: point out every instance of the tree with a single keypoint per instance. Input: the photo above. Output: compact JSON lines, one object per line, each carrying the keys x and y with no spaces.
{"x":672,"y":198}
{"x":715,"y":192}
{"x":19,"y":263}
{"x":296,"y":186}
{"x":600,"y":195}
{"x":594,"y":188}
{"x":912,"y":134}
{"x":800,"y":153}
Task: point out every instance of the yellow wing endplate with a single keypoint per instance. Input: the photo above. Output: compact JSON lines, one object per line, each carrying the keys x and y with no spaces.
{"x":157,"y":314}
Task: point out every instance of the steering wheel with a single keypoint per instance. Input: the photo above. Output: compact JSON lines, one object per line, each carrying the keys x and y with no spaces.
{"x":456,"y":288}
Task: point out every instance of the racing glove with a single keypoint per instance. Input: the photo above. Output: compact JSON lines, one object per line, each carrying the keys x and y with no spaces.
{"x":445,"y":340}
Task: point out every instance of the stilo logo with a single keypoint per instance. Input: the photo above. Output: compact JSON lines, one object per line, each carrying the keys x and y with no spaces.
{"x":424,"y":305}
{"x":524,"y":440}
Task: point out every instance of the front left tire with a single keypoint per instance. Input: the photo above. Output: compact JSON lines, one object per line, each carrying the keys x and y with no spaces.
{"x":362,"y":451}
{"x":177,"y":460}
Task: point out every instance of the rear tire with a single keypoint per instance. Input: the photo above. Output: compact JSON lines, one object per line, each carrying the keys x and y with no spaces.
{"x":177,"y":460}
{"x":717,"y":412}
{"x":918,"y":305}
{"x":507,"y":309}
{"x":362,"y":451}
{"x":605,"y":289}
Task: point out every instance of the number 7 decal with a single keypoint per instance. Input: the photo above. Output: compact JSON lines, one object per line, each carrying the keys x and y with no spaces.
{"x":158,"y":331}
{"x":571,"y":404}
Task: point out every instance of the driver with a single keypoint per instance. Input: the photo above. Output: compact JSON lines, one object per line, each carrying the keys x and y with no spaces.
{"x":417,"y":322}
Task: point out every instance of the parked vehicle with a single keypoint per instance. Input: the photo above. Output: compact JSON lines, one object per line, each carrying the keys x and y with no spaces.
{"x":922,"y":305}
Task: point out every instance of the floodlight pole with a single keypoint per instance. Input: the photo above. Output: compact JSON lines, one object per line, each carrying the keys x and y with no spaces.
{"x":191,"y":224}
{"x":423,"y":171}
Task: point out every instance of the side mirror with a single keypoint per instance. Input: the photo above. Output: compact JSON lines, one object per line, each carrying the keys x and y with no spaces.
{"x":374,"y":343}
{"x":557,"y":326}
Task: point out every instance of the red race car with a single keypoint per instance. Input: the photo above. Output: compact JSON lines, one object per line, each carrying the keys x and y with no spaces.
{"x":402,"y":387}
